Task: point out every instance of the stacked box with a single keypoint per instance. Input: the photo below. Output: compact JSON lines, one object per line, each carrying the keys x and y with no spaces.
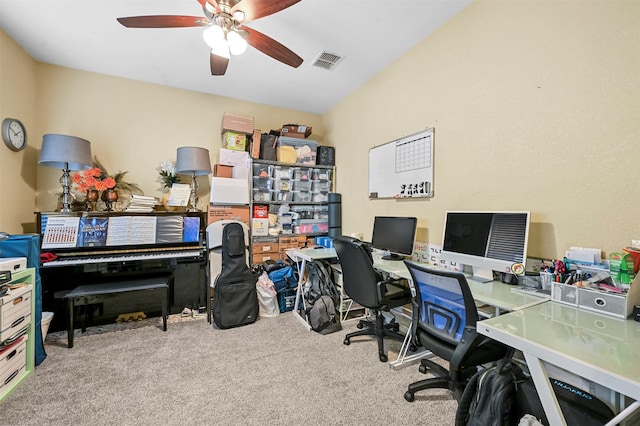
{"x":237,"y":123}
{"x":288,"y":243}
{"x":297,"y":151}
{"x":265,"y":250}
{"x":295,"y":131}
{"x":234,"y":140}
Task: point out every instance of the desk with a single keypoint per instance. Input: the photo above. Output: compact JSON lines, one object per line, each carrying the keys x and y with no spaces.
{"x":596,"y":347}
{"x":301,"y":257}
{"x":495,"y":293}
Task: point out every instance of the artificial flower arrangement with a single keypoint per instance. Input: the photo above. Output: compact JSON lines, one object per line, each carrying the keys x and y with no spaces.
{"x":92,"y":180}
{"x":97,"y":178}
{"x":167,"y":172}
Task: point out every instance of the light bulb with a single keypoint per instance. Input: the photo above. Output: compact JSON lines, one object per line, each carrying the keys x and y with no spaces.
{"x":213,"y":35}
{"x":237,"y":44}
{"x":221,"y":49}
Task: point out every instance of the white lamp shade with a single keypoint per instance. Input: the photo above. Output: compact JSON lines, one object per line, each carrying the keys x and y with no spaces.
{"x":63,"y":151}
{"x":237,"y":44}
{"x":213,"y":35}
{"x":193,"y":160}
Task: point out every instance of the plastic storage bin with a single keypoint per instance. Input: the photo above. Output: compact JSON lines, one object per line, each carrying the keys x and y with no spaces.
{"x":321,"y":174}
{"x":262,"y":170}
{"x":320,"y":197}
{"x":301,"y":185}
{"x":280,"y":172}
{"x":282,"y":196}
{"x":260,"y":194}
{"x":320,"y":186}
{"x":262,"y":183}
{"x":282,"y":184}
{"x":302,"y":196}
{"x":302,"y":173}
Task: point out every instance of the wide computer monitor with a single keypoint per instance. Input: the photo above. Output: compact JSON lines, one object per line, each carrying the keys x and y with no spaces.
{"x":486,"y":241}
{"x":395,"y":235}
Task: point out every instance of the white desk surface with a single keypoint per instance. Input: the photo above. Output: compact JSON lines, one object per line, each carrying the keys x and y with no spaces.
{"x":495,"y":293}
{"x":597,"y":347}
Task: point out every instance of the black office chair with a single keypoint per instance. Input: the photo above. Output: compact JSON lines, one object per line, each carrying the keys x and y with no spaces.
{"x":444,"y":322}
{"x":365,"y":286}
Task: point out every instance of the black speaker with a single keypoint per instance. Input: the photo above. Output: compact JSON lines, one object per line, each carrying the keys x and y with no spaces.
{"x":326,"y":156}
{"x":335,"y":214}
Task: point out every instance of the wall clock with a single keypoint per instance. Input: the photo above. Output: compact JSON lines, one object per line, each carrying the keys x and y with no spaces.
{"x":14,"y":134}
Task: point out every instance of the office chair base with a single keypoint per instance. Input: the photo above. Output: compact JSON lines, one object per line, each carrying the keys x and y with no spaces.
{"x":379,"y":330}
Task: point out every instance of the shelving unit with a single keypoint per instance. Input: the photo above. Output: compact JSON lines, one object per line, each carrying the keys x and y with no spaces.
{"x":304,"y":189}
{"x":17,"y":360}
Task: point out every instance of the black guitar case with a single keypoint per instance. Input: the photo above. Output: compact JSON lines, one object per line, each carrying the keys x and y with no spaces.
{"x":235,"y":300}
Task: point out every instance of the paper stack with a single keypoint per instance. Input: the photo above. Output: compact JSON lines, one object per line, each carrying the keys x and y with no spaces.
{"x":142,"y":203}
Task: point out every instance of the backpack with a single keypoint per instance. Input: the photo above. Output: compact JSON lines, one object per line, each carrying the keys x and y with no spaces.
{"x":284,"y":276}
{"x":321,"y":299}
{"x":489,"y":399}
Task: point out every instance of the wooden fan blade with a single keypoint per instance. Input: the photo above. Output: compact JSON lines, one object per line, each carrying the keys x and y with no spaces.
{"x":218,"y":64}
{"x":270,"y":47}
{"x":254,"y":9}
{"x":163,"y":21}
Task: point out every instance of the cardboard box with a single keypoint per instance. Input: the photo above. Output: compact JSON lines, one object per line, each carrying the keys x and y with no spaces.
{"x":229,"y":191}
{"x":237,"y":123}
{"x":239,"y":160}
{"x":265,"y":247}
{"x":296,"y":151}
{"x":258,"y":258}
{"x":260,"y":211}
{"x":255,"y":144}
{"x":260,"y":227}
{"x":234,"y":140}
{"x":295,"y":131}
{"x":218,"y":212}
{"x":223,"y":170}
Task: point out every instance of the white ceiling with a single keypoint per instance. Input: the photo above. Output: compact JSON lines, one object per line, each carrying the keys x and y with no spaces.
{"x":369,"y":34}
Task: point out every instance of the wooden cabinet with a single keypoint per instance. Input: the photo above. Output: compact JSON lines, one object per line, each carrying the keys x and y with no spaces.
{"x":17,"y":332}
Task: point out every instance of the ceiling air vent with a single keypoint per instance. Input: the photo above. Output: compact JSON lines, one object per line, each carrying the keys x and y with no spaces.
{"x":327,"y":60}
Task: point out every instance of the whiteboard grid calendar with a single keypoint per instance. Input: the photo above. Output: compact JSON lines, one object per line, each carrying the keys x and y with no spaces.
{"x":413,"y":154}
{"x":402,"y":168}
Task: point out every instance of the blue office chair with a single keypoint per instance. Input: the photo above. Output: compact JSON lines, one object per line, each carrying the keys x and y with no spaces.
{"x":365,"y":286}
{"x":444,"y":322}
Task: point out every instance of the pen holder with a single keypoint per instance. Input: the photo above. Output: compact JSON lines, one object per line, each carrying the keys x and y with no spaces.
{"x":546,"y":280}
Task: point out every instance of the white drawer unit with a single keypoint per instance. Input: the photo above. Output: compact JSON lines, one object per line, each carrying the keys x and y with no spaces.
{"x":13,"y":360}
{"x":15,"y":311}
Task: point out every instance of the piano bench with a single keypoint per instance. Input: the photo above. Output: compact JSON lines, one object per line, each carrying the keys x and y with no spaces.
{"x":85,"y":291}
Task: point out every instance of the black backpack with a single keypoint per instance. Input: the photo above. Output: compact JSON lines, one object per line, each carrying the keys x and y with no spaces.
{"x":235,"y":300}
{"x":502,"y":394}
{"x":321,"y":299}
{"x":489,"y":399}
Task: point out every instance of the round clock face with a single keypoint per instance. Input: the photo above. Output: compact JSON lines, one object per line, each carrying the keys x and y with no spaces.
{"x":14,"y":134}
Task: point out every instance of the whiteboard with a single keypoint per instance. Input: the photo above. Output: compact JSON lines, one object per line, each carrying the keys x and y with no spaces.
{"x":402,"y":168}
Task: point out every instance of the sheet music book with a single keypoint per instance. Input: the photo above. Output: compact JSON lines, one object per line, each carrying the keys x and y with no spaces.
{"x":60,"y":232}
{"x":191,"y":229}
{"x":93,"y":231}
{"x":128,"y":230}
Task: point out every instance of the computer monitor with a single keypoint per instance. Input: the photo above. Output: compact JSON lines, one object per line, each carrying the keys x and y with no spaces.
{"x":395,"y":235}
{"x":486,"y":241}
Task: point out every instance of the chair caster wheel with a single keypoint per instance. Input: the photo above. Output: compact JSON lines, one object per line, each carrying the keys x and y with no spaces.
{"x":413,"y":347}
{"x":359,"y":325}
{"x":396,"y":327}
{"x":383,"y":358}
{"x":422,"y":369}
{"x":346,"y":342}
{"x":409,"y":397}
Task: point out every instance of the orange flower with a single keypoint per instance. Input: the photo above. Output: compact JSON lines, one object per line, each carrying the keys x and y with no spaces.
{"x":92,"y":179}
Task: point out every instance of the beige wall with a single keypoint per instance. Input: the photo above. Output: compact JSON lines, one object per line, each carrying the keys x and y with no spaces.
{"x":535,"y":105}
{"x":132,"y":126}
{"x":17,"y":170}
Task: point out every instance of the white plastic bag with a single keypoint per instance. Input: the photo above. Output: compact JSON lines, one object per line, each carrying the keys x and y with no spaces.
{"x":267,"y":297}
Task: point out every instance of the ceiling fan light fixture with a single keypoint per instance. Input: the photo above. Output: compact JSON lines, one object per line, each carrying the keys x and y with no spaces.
{"x":213,"y":35}
{"x":238,"y":16}
{"x":221,"y":49}
{"x":237,"y":43}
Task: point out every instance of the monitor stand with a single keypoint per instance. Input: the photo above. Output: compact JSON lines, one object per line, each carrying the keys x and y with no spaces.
{"x":392,"y":256}
{"x":482,"y":275}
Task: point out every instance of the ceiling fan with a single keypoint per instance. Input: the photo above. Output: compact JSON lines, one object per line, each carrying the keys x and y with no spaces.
{"x":226,"y":32}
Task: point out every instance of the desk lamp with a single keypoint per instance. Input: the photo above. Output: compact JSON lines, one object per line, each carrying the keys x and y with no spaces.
{"x":194,"y":161}
{"x":66,"y":153}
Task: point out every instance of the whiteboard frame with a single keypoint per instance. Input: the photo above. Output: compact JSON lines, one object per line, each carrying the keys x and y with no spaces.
{"x":389,"y":179}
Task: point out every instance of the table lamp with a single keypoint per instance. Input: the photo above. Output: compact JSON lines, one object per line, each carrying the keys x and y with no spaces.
{"x":194,"y":161}
{"x":66,"y":153}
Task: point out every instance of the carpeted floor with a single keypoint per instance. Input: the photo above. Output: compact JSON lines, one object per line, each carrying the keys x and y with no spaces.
{"x":269,"y":373}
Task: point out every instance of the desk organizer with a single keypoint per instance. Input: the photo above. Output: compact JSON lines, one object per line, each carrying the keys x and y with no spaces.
{"x":619,"y":305}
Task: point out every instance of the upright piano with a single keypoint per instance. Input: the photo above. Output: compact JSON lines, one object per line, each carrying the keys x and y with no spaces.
{"x":84,"y":248}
